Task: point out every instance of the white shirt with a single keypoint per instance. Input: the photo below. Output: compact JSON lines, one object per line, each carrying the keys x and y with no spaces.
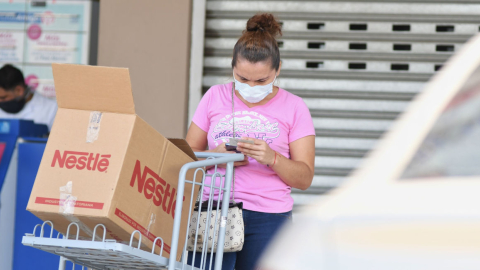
{"x":39,"y":109}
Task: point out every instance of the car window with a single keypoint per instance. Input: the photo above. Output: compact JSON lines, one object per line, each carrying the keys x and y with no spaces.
{"x":452,"y":147}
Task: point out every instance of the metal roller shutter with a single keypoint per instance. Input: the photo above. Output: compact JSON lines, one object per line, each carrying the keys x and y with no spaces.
{"x":357,"y":65}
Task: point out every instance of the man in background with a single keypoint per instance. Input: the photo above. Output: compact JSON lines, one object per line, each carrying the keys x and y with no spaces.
{"x":17,"y":101}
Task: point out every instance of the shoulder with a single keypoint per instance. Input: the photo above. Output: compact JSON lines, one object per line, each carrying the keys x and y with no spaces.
{"x":43,"y":103}
{"x":289,"y":95}
{"x":39,"y":99}
{"x":294,"y":107}
{"x":218,"y":94}
{"x":218,"y":89}
{"x":290,"y":99}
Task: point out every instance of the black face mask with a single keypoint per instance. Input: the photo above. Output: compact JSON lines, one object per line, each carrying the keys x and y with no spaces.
{"x":13,"y":106}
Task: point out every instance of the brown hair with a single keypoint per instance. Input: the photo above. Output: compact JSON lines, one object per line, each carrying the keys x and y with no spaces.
{"x":258,"y":42}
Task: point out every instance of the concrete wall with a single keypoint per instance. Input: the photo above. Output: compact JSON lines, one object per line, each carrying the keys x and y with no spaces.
{"x":152,"y":39}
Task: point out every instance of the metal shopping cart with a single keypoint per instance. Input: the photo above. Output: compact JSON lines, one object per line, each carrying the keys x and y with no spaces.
{"x":109,"y":254}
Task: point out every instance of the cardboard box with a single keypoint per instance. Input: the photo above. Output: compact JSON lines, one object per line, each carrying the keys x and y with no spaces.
{"x":104,"y":164}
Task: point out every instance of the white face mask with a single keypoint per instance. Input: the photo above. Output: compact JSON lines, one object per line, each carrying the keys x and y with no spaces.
{"x":253,"y":94}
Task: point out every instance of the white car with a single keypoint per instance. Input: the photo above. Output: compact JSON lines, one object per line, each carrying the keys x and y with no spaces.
{"x":415,"y":202}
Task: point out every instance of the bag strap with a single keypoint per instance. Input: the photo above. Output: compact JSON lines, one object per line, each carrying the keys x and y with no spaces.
{"x":233,"y":127}
{"x":199,"y":198}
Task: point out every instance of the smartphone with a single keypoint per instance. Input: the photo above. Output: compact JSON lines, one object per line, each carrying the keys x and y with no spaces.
{"x":232,"y":144}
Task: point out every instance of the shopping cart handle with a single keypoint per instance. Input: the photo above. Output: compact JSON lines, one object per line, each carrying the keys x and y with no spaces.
{"x":225,"y":158}
{"x":217,"y":155}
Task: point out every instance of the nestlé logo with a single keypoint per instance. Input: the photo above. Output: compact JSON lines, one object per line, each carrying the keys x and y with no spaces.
{"x":81,"y":160}
{"x":155,"y":188}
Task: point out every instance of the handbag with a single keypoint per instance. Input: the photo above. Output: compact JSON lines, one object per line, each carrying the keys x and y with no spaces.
{"x":234,"y":229}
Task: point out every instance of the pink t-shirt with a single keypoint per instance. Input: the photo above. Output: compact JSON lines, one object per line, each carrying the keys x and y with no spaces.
{"x":282,"y":120}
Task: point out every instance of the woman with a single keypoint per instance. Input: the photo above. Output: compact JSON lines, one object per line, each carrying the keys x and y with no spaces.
{"x":280,"y":125}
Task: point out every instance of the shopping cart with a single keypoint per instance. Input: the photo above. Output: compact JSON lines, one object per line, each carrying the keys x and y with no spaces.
{"x":102,"y":253}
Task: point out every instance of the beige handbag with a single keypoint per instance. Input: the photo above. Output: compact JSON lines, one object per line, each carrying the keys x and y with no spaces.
{"x":234,"y":230}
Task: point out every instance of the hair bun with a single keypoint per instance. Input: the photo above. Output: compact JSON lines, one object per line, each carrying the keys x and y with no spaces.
{"x":265,"y":22}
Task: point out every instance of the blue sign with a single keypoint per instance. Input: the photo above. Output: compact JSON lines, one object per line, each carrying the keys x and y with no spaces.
{"x":19,"y":17}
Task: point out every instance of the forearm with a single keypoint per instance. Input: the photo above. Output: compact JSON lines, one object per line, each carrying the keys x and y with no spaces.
{"x":201,"y":150}
{"x":220,"y":149}
{"x":296,"y":174}
{"x":197,"y":139}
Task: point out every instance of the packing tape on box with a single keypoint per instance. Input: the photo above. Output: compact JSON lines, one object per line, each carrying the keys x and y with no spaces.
{"x":67,"y":208}
{"x":152,"y":220}
{"x":94,"y":126}
{"x":67,"y":200}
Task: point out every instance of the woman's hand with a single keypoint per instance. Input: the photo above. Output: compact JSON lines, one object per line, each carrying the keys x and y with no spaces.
{"x":222,"y":149}
{"x":296,"y":171}
{"x":197,"y":139}
{"x":260,"y":151}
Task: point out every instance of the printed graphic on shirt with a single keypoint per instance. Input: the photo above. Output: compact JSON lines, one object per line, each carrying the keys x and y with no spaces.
{"x":247,"y":124}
